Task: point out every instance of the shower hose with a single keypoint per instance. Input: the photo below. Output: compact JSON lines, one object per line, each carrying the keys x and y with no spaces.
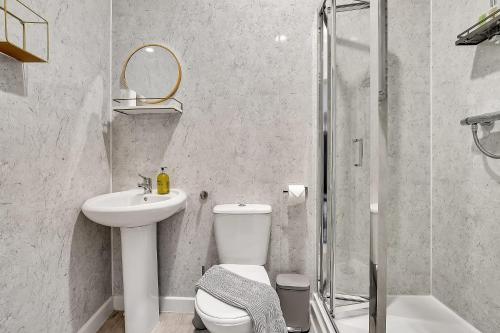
{"x":479,"y":145}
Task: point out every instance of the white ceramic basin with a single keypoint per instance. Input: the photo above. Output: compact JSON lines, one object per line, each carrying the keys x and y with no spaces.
{"x":133,"y":208}
{"x":136,"y":214}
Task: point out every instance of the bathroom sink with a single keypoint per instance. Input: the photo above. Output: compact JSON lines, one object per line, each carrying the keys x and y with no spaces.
{"x":133,"y":208}
{"x":136,"y":214}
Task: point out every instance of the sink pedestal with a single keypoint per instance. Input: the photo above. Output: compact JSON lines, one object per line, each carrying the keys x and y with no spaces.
{"x":140,"y":278}
{"x":136,"y":214}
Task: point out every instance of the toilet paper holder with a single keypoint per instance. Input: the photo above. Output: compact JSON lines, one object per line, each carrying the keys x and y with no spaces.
{"x":307,"y":190}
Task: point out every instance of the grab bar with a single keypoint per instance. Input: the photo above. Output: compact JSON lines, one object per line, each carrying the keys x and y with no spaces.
{"x":483,"y":119}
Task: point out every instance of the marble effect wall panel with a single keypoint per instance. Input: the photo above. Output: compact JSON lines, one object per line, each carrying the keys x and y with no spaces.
{"x":54,"y":154}
{"x":466,"y":184}
{"x":408,"y":228}
{"x":246,"y":131}
{"x":243,"y":84}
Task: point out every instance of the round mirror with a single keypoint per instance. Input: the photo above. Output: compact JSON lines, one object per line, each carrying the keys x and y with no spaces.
{"x":153,"y":71}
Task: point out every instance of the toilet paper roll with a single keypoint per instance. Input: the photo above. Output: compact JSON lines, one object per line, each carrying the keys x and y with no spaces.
{"x":296,"y":194}
{"x":129,"y":97}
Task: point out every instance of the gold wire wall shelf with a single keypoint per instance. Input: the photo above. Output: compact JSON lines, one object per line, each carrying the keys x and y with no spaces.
{"x":25,"y":33}
{"x":129,"y":107}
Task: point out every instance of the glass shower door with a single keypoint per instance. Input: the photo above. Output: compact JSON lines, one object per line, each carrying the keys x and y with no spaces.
{"x":348,"y":115}
{"x":352,"y":171}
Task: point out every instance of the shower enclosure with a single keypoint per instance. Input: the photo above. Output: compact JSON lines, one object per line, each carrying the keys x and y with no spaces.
{"x":352,"y":112}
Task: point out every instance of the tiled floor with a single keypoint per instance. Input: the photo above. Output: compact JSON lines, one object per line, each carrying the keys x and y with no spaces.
{"x":169,"y":323}
{"x":114,"y":324}
{"x":408,"y":314}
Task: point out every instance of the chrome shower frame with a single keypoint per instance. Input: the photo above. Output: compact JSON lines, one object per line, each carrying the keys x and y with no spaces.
{"x":378,"y":157}
{"x":326,"y":15}
{"x":378,"y":166}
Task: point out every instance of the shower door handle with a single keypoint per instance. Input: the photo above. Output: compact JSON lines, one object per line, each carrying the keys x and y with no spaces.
{"x":359,"y":142}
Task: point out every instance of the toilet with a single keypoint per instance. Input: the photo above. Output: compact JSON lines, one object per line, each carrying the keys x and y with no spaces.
{"x":242,"y":233}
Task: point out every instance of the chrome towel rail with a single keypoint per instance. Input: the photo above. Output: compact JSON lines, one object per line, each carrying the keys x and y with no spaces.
{"x":483,"y":119}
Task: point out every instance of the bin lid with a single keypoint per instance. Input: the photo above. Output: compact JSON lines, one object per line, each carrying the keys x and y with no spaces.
{"x":292,"y":282}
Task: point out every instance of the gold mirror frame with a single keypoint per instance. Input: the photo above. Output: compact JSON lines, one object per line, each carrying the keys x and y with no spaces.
{"x":179,"y":76}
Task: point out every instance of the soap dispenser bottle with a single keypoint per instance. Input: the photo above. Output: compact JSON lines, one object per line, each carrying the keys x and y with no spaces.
{"x":163,"y":182}
{"x":493,"y":9}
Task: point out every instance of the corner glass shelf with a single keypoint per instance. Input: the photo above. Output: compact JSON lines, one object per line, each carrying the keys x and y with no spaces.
{"x":128,"y":107}
{"x":481,"y":31}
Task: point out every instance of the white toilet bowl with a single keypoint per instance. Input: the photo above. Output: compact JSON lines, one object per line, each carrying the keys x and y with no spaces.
{"x":220,"y":317}
{"x":242,"y":233}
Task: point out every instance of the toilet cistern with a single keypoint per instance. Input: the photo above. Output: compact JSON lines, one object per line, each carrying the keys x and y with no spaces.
{"x":242,"y":234}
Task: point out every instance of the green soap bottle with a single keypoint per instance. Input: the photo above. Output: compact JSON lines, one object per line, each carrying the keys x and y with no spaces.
{"x":163,"y":182}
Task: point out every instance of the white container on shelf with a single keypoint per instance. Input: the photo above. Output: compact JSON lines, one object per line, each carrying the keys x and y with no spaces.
{"x":128,"y":97}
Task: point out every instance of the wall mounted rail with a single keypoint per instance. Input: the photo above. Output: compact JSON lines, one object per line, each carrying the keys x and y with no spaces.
{"x":481,"y":31}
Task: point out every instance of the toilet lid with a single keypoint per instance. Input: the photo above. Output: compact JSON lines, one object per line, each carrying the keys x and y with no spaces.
{"x":212,"y":307}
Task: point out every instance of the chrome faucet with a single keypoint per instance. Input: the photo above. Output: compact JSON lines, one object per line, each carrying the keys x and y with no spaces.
{"x":147,"y":184}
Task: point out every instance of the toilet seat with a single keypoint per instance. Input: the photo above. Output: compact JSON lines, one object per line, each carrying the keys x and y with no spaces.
{"x":220,"y":317}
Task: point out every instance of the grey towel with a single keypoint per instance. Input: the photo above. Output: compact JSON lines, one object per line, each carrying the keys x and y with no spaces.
{"x":258,"y":299}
